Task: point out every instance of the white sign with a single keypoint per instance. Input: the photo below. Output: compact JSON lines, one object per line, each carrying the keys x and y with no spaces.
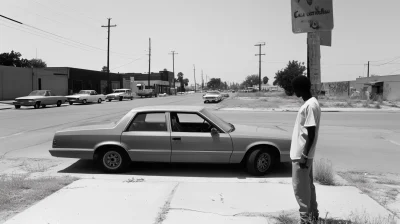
{"x":312,"y":15}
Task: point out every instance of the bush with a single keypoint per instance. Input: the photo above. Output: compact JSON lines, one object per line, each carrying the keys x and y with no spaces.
{"x":323,"y":172}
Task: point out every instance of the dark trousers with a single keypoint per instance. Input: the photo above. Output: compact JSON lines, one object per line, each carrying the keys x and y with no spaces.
{"x":304,"y":190}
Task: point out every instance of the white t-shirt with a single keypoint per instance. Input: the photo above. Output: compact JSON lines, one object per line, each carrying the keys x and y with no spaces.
{"x":309,"y":115}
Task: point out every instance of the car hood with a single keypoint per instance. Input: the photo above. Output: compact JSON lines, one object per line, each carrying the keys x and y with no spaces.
{"x":211,"y":95}
{"x":29,"y":97}
{"x":260,"y":132}
{"x":90,"y":127}
{"x":77,"y":95}
{"x":114,"y":94}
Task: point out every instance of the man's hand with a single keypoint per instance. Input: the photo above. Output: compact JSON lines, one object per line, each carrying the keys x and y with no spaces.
{"x":303,"y":162}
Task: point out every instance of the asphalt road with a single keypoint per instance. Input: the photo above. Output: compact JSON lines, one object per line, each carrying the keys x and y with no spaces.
{"x":357,"y":141}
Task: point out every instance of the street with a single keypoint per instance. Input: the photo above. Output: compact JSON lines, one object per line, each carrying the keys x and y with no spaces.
{"x":355,"y":141}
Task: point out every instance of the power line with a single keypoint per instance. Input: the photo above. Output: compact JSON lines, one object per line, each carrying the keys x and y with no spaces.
{"x":130,"y":62}
{"x":61,"y":37}
{"x":98,"y":20}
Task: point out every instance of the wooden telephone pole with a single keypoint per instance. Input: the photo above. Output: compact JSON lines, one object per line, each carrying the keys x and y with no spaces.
{"x":108,"y":56}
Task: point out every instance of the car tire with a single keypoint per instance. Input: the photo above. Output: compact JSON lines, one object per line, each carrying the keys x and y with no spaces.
{"x":17,"y":106}
{"x":259,"y":162}
{"x":114,"y":160}
{"x":120,"y":98}
{"x":43,"y":105}
{"x":70,"y":103}
{"x":132,"y":98}
{"x":59,"y":103}
{"x":109,"y":100}
{"x":205,"y":102}
{"x":99,"y":101}
{"x":84,"y":101}
{"x":37,"y":105}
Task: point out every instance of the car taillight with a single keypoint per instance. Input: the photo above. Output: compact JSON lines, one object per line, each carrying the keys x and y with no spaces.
{"x":54,"y":142}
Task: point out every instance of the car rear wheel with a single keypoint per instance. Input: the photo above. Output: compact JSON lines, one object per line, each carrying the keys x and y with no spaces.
{"x":114,"y":160}
{"x":259,"y":162}
{"x":59,"y":103}
{"x":120,"y":98}
{"x":17,"y":106}
{"x":84,"y":101}
{"x":109,"y":100}
{"x":43,"y":105}
{"x":70,"y":103}
{"x":37,"y":105}
{"x":99,"y":101}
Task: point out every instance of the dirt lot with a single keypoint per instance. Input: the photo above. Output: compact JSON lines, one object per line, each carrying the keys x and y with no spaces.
{"x":279,"y":100}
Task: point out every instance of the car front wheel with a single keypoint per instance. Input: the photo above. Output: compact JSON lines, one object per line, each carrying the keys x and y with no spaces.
{"x":59,"y":103}
{"x":17,"y":106}
{"x":84,"y":101}
{"x":114,"y":160}
{"x":259,"y":162}
{"x":37,"y":105}
{"x":99,"y":101}
{"x":70,"y":103}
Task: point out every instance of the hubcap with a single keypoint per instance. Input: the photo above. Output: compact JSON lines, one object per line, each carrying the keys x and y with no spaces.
{"x":112,"y":160}
{"x":263,"y":162}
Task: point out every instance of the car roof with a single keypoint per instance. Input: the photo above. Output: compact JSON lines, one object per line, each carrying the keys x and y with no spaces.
{"x":174,"y":108}
{"x":122,"y":89}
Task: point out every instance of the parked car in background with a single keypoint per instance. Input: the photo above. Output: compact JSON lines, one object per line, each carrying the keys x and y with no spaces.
{"x":181,"y":93}
{"x":39,"y":98}
{"x":120,"y":94}
{"x":212,"y":96}
{"x":162,"y":95}
{"x":86,"y":96}
{"x":225,"y":95}
{"x":145,"y":91}
{"x":187,"y":134}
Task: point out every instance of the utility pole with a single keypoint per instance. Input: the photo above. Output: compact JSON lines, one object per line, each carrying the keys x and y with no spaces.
{"x":202,"y":81}
{"x":194,"y":74}
{"x":108,"y":55}
{"x":259,"y":66}
{"x":173,"y":66}
{"x":368,"y":70}
{"x":149,"y":62}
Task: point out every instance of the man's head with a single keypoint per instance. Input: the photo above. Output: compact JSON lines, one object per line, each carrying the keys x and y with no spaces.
{"x":301,"y":85}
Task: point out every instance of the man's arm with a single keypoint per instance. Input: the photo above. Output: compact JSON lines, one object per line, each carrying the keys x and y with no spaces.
{"x":310,"y":140}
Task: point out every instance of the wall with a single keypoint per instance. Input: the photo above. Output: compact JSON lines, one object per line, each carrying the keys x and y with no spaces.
{"x":14,"y":82}
{"x":336,"y":88}
{"x":54,"y":80}
{"x":391,"y":85}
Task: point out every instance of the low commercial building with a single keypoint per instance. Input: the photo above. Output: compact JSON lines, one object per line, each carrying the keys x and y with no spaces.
{"x":161,"y":82}
{"x":16,"y":82}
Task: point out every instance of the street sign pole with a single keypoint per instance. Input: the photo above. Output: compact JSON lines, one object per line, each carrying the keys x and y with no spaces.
{"x":314,"y":60}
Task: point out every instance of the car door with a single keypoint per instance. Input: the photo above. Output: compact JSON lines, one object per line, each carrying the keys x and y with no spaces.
{"x":48,"y":98}
{"x":148,"y":138}
{"x":93,"y":96}
{"x":193,"y":141}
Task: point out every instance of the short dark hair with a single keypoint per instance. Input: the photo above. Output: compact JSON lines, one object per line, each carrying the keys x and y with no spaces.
{"x":301,"y":82}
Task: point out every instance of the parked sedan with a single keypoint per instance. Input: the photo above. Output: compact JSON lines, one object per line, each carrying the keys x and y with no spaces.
{"x":173,"y":134}
{"x":212,"y":96}
{"x":39,"y":98}
{"x":120,"y":94}
{"x":86,"y":96}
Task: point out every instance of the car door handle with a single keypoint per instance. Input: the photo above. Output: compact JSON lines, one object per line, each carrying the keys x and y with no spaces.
{"x":176,"y":138}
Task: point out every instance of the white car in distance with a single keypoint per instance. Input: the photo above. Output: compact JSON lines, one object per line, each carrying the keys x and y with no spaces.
{"x":86,"y":96}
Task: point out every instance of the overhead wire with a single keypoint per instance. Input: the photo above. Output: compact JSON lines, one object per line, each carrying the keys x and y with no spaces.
{"x":130,"y":62}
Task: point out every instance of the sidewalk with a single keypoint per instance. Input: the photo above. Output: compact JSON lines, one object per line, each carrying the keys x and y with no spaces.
{"x":323,"y":109}
{"x":123,"y":201}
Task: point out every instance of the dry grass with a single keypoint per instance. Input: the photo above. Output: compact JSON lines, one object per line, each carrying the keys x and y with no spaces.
{"x":18,"y":191}
{"x":323,"y":172}
{"x":285,"y":218}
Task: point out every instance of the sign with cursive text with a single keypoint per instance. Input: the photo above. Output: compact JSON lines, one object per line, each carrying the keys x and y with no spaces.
{"x":312,"y":15}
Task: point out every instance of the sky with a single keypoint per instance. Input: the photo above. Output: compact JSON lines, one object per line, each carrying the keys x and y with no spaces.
{"x":216,"y":37}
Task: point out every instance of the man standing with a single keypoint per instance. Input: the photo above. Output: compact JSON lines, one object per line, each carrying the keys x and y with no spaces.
{"x":302,"y":150}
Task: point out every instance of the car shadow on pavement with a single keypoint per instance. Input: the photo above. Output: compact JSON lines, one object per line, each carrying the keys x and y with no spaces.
{"x":181,"y":170}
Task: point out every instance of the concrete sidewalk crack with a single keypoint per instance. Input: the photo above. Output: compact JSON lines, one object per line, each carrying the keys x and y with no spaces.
{"x":165,"y":209}
{"x":242,"y":214}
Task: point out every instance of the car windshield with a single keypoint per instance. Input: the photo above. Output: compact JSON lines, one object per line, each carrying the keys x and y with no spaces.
{"x":221,"y":123}
{"x":84,"y":92}
{"x":213,"y":92}
{"x":38,"y":93}
{"x":119,"y":91}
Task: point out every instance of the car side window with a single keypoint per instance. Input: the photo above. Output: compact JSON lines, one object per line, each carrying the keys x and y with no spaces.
{"x":94,"y":93}
{"x":47,"y":93}
{"x":148,"y":122}
{"x":189,"y":122}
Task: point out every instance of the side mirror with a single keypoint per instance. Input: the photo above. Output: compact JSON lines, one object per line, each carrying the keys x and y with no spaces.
{"x":214,"y":131}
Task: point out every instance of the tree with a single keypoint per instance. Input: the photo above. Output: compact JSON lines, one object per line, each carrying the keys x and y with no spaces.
{"x":181,"y":81}
{"x":37,"y":63}
{"x":265,"y":80}
{"x":186,"y":82}
{"x":214,"y":83}
{"x":251,"y":80}
{"x":284,"y":77}
{"x":104,"y":69}
{"x":13,"y":59}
